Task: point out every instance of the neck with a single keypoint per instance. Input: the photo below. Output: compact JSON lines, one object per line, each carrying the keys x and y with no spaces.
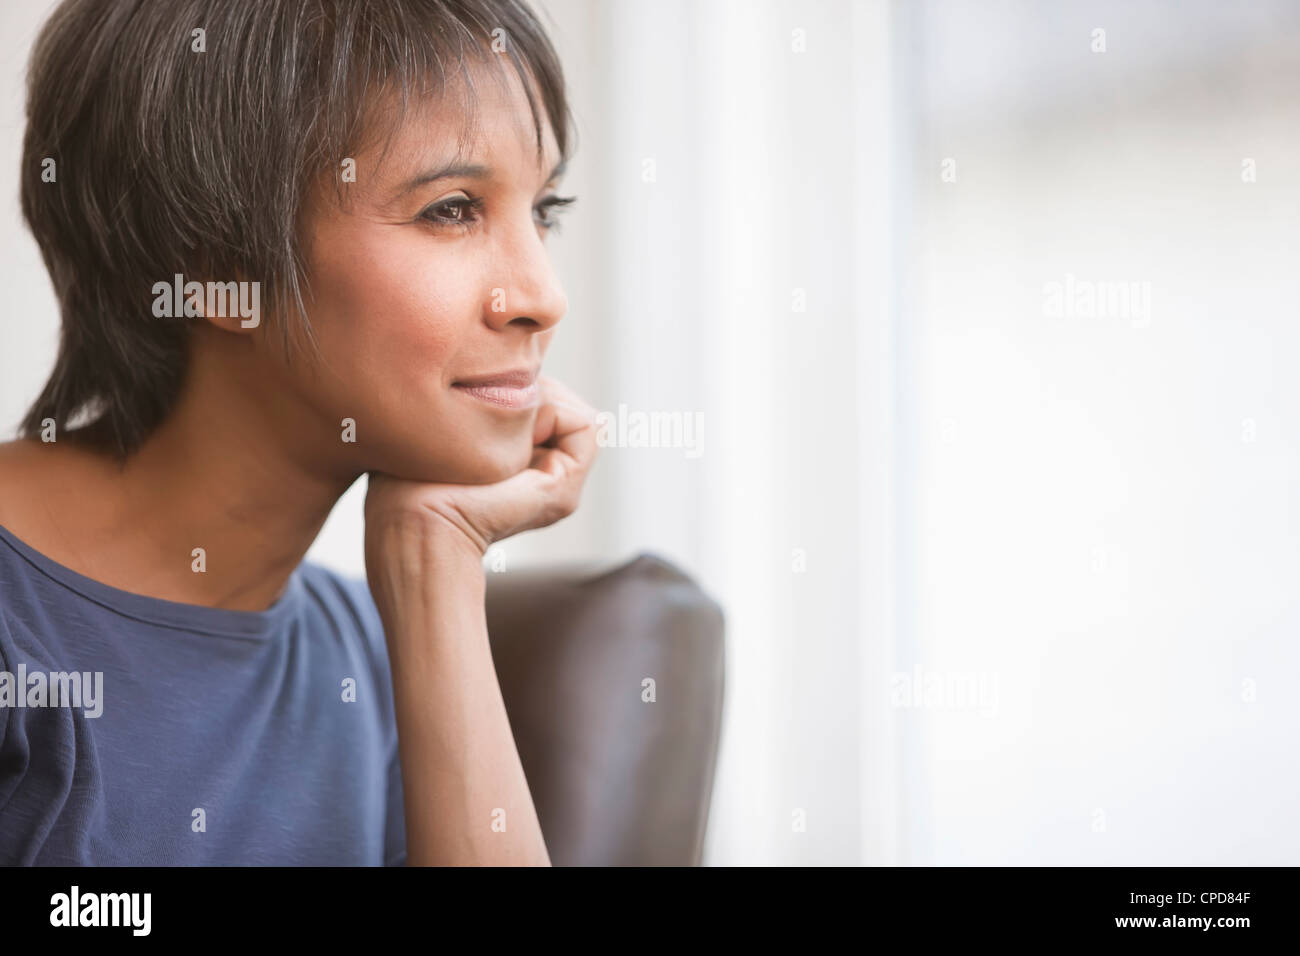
{"x":230,"y":471}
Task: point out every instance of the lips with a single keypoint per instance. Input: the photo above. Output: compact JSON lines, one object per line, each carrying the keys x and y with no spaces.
{"x":515,"y":378}
{"x":516,"y":388}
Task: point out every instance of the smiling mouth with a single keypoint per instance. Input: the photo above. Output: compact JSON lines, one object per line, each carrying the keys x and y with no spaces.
{"x":514,"y":389}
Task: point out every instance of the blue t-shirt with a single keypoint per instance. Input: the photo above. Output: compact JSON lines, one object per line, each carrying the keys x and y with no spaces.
{"x":138,"y":731}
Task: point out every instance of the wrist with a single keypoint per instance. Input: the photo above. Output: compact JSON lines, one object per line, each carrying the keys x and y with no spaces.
{"x":411,"y":555}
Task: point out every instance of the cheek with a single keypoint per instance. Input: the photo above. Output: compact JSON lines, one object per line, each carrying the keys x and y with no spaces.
{"x":392,"y":311}
{"x":398,"y":318}
{"x":391,"y":306}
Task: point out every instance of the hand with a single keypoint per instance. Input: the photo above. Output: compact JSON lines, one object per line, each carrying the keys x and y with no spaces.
{"x":564,"y":446}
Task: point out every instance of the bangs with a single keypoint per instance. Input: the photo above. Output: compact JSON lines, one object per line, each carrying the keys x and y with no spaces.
{"x":388,"y":57}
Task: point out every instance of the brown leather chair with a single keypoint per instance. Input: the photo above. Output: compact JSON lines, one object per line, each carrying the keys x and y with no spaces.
{"x":617,"y":780}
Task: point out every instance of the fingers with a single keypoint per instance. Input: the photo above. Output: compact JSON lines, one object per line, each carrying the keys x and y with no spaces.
{"x":559,"y":396}
{"x":565,"y":446}
{"x":550,"y":488}
{"x":544,"y":425}
{"x":561,"y":411}
{"x":569,"y":425}
{"x":519,"y":503}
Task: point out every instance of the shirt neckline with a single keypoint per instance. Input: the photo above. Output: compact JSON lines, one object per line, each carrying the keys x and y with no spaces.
{"x":198,"y":618}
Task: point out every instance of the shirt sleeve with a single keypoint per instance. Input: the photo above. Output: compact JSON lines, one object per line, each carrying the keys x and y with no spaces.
{"x":37,"y":751}
{"x":395,"y":830}
{"x":394,"y":810}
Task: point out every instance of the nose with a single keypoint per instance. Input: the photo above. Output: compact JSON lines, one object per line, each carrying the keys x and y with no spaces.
{"x":529,"y":294}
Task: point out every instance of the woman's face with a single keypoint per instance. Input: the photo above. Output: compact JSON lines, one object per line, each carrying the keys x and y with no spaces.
{"x":426,"y":288}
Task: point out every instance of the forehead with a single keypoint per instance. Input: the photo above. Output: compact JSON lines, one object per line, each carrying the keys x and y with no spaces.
{"x":484,"y":119}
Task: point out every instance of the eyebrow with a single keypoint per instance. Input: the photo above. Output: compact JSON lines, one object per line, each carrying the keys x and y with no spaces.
{"x":468,"y":171}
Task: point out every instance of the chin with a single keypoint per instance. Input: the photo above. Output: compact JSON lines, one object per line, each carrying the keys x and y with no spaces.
{"x":484,"y":462}
{"x":499,"y":466}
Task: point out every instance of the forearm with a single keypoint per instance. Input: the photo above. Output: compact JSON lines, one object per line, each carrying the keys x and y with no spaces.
{"x":466,"y":797}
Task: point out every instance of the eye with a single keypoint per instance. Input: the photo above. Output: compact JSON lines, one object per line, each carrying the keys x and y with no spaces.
{"x":549,"y":207}
{"x":457,"y":212}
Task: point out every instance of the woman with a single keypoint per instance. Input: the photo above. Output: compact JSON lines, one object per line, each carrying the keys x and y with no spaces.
{"x":293,"y":242}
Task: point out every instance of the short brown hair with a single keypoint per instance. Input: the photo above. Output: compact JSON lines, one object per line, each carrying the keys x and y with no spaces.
{"x":168,"y":160}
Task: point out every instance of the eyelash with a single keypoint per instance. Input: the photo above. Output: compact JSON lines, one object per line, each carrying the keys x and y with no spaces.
{"x":474,"y":206}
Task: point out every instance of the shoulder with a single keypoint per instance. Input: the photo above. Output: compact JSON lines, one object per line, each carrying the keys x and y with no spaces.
{"x":39,"y":745}
{"x":346,"y":601}
{"x":340,"y":593}
{"x":39,"y":478}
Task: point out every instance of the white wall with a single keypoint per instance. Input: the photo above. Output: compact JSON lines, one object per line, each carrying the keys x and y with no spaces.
{"x":750,"y":285}
{"x":1104,"y":517}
